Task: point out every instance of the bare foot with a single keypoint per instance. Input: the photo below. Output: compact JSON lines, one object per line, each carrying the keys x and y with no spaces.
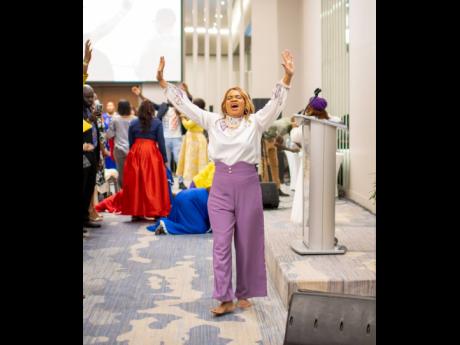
{"x":243,"y":303}
{"x":224,"y":308}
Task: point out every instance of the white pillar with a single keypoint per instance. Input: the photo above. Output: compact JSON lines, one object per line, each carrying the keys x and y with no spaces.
{"x":230,"y":44}
{"x":206,"y":49}
{"x":362,"y":101}
{"x":218,"y":51}
{"x":195,"y":45}
{"x":264,"y":47}
{"x":311,"y":38}
{"x":241,"y":51}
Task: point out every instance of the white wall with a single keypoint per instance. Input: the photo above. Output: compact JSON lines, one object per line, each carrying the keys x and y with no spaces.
{"x":311,"y":46}
{"x":289,"y":37}
{"x":362,"y":101}
{"x":277,"y":25}
{"x":264,"y":49}
{"x":215,"y":92}
{"x":153,"y":92}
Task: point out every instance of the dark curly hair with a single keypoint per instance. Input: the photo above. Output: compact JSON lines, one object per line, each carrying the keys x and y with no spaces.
{"x":199,"y":102}
{"x":145,"y":113}
{"x":124,"y":107}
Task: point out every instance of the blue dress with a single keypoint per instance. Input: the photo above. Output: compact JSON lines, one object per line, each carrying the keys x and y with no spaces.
{"x":189,"y":214}
{"x":109,"y":163}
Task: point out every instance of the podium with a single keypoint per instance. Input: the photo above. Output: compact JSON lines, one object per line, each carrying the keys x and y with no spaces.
{"x":319,"y":180}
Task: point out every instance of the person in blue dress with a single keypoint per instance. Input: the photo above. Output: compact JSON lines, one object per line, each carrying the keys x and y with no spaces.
{"x":107,"y":118}
{"x":189,"y":213}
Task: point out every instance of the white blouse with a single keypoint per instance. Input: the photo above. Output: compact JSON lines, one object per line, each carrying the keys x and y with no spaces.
{"x":230,"y":145}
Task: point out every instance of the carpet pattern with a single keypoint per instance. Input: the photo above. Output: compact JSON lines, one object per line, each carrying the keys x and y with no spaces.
{"x":144,"y":289}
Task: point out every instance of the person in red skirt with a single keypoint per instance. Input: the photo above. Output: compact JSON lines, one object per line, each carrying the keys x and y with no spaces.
{"x":145,"y":187}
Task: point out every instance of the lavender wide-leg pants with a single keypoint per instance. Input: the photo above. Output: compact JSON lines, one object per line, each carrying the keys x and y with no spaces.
{"x":235,"y":210}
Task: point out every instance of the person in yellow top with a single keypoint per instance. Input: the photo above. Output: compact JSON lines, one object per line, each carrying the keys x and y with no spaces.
{"x":193,"y":156}
{"x":204,"y":178}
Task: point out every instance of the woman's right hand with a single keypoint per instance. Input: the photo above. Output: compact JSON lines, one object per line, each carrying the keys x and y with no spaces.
{"x":161,"y":67}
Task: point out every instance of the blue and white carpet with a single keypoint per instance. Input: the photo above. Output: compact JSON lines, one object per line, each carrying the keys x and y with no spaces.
{"x":143,"y":289}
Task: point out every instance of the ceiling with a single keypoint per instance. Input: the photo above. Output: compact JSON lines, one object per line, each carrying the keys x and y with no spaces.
{"x":188,"y":18}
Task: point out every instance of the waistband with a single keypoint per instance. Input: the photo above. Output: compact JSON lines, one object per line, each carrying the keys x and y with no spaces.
{"x":239,"y":167}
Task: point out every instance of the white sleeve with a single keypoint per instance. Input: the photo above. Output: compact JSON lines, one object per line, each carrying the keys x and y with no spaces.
{"x":265,"y":116}
{"x":180,"y":101}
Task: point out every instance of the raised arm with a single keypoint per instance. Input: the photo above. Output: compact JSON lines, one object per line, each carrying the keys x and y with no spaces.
{"x":137,"y":91}
{"x":180,"y":101}
{"x":86,"y":60}
{"x":276,"y":104}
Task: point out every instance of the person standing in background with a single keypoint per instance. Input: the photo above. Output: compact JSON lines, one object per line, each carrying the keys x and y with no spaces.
{"x":118,"y":130}
{"x":316,"y":107}
{"x":270,"y":163}
{"x":107,"y":118}
{"x":173,"y":128}
{"x":193,"y":156}
{"x":145,"y":184}
{"x":292,"y":154}
{"x":91,"y":154}
{"x":90,"y":143}
{"x":103,"y":152}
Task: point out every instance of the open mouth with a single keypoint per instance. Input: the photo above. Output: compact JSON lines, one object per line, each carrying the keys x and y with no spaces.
{"x":234,"y":106}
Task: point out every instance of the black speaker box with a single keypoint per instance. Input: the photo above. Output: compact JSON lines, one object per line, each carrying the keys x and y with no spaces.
{"x":270,"y":194}
{"x":317,"y":318}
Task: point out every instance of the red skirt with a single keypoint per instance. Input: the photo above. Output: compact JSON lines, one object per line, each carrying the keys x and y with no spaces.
{"x":145,"y":185}
{"x":112,"y":204}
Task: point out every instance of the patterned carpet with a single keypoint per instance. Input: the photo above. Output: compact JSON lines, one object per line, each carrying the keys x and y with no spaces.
{"x":143,"y":289}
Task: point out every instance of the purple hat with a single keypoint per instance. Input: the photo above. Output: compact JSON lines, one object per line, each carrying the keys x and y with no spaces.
{"x":318,"y":103}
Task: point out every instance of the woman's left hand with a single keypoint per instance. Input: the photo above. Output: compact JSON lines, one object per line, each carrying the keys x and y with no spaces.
{"x":288,"y":64}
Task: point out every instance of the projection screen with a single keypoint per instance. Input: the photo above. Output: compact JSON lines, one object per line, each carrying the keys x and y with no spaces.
{"x":129,"y":36}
